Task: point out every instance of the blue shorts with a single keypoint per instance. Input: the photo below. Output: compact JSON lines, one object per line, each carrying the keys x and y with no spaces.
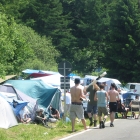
{"x":92,"y":108}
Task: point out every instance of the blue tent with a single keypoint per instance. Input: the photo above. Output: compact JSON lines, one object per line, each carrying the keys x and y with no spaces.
{"x":37,"y":89}
{"x":18,"y":107}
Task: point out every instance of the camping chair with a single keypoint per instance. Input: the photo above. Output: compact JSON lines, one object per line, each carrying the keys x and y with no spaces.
{"x":135,"y":107}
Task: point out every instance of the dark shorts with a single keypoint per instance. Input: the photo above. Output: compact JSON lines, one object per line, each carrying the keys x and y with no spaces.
{"x":121,"y":110}
{"x":113,"y":106}
{"x":92,"y":108}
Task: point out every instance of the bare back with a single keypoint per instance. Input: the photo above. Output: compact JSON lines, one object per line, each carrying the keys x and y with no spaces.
{"x":76,"y":93}
{"x":114,"y":95}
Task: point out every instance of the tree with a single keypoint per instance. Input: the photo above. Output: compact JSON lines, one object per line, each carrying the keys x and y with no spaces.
{"x":13,"y":49}
{"x":46,"y":18}
{"x":45,"y":54}
{"x":21,"y":48}
{"x":123,"y":50}
{"x":13,"y":7}
{"x":89,"y":24}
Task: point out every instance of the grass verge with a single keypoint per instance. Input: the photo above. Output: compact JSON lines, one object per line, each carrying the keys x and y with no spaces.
{"x":39,"y":132}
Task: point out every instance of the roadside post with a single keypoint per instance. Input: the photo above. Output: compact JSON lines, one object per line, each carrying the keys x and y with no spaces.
{"x":64,"y":68}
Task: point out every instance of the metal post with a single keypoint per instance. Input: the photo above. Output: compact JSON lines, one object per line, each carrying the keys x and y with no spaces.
{"x":64,"y":91}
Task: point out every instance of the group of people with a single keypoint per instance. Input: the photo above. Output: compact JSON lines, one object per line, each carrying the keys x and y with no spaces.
{"x":40,"y":116}
{"x":99,"y":102}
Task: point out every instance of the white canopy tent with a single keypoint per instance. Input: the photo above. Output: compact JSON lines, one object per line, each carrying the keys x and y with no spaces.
{"x":53,"y":80}
{"x":108,"y":82}
{"x":103,"y":79}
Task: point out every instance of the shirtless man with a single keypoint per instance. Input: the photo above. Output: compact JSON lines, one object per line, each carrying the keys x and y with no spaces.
{"x":76,"y":109}
{"x":114,"y":95}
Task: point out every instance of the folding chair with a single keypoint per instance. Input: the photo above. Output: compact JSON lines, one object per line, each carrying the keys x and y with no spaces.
{"x":135,"y":107}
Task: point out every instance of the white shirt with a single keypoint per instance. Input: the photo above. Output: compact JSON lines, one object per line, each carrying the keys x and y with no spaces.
{"x":68,"y":98}
{"x":23,"y":112}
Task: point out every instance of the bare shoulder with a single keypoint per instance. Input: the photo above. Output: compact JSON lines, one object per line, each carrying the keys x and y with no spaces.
{"x":116,"y":92}
{"x":109,"y":91}
{"x":71,"y":87}
{"x":80,"y":87}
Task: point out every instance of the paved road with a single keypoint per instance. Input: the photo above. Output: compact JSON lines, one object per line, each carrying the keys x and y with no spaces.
{"x":125,"y":129}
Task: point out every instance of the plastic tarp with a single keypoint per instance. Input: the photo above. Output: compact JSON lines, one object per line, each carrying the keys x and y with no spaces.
{"x":30,"y":71}
{"x":7,"y":117}
{"x":35,"y":75}
{"x":19,"y":106}
{"x":37,"y":89}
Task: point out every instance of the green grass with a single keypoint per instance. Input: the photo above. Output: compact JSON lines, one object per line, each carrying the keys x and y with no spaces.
{"x":39,"y":132}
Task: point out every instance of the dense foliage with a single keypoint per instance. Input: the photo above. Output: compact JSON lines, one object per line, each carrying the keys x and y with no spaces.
{"x":22,"y":48}
{"x":87,"y":33}
{"x":123,"y":51}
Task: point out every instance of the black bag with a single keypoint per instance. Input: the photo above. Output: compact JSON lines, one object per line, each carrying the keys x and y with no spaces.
{"x":15,"y":103}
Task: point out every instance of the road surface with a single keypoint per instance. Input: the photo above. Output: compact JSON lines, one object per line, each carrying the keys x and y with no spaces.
{"x":124,"y":129}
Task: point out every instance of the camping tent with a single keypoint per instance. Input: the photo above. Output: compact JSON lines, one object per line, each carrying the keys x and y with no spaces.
{"x":103,"y":79}
{"x":10,"y":93}
{"x":7,"y":117}
{"x":37,"y":89}
{"x":53,"y":80}
{"x":108,"y":82}
{"x":32,"y":103}
{"x":38,"y":73}
{"x":16,"y":104}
